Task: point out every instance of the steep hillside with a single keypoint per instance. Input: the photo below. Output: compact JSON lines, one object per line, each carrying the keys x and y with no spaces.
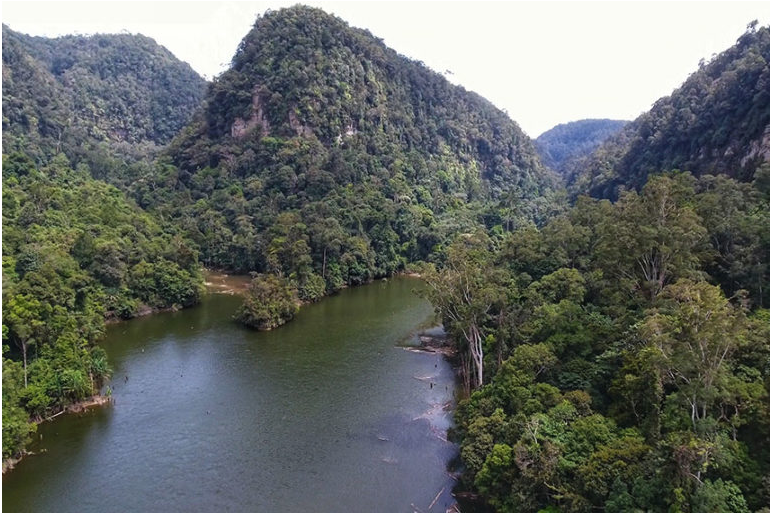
{"x":562,"y":146}
{"x":717,"y":122}
{"x":93,"y":97}
{"x":323,"y":155}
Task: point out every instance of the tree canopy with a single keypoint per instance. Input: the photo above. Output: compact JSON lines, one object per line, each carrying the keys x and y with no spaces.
{"x":622,"y":369}
{"x":716,"y":123}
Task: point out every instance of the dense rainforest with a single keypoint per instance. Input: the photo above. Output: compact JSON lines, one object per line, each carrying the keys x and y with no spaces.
{"x":326,"y":158}
{"x":105,"y":100}
{"x":613,"y":365}
{"x":617,"y":356}
{"x":717,"y":122}
{"x":77,"y":251}
{"x":562,"y":147}
{"x":614,"y":352}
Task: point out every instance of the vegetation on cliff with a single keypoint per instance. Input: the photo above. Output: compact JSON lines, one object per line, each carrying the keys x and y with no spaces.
{"x":324,"y":157}
{"x":716,"y":123}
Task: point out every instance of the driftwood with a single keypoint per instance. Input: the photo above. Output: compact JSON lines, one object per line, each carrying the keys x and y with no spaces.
{"x":436,"y":499}
{"x":466,"y":495}
{"x":55,"y":415}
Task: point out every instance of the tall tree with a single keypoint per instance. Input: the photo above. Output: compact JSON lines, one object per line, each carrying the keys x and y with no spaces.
{"x":467,"y":292}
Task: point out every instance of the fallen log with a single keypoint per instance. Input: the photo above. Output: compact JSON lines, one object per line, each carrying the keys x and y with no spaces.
{"x":436,"y":499}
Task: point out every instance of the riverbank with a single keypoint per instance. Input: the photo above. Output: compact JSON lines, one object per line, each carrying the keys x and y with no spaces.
{"x":322,"y":391}
{"x":432,"y":340}
{"x":222,"y":282}
{"x":142,"y":311}
{"x":74,"y":408}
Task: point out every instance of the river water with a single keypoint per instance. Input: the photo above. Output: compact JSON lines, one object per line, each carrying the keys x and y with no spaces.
{"x":327,"y":413}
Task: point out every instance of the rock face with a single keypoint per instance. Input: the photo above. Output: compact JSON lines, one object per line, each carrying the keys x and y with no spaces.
{"x":257,"y":118}
{"x":303,"y":73}
{"x":716,"y":123}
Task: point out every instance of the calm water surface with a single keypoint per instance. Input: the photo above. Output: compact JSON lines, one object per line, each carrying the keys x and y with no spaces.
{"x":324,"y":414}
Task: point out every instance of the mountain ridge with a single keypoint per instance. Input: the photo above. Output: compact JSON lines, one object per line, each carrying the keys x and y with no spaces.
{"x":716,"y":122}
{"x":93,"y":96}
{"x":563,"y":145}
{"x":316,"y":118}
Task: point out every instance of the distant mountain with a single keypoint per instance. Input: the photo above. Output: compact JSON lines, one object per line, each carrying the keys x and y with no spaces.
{"x":93,"y":97}
{"x":323,"y":152}
{"x":564,"y":144}
{"x":716,"y":123}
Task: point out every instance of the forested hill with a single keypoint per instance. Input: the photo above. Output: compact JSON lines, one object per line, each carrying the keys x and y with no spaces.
{"x":562,"y":146}
{"x":717,"y":122}
{"x":76,"y":250}
{"x":93,"y":97}
{"x":304,"y":73}
{"x":323,"y":155}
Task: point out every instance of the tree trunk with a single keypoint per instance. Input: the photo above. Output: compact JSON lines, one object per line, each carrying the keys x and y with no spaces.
{"x":475,"y":348}
{"x":24,"y":354}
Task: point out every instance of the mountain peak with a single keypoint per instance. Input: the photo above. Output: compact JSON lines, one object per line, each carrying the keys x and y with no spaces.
{"x":301,"y":72}
{"x":78,"y":93}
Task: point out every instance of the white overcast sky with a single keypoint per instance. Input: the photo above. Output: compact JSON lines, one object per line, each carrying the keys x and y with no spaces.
{"x":544,"y":62}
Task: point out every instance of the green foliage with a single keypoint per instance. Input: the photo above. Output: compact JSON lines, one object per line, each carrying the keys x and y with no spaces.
{"x":737,"y":218}
{"x":719,"y":496}
{"x":716,"y":123}
{"x":616,"y":354}
{"x":312,"y":288}
{"x":617,"y":377}
{"x":97,"y":99}
{"x":323,"y":151}
{"x":17,"y":428}
{"x":562,"y":146}
{"x":270,"y":302}
{"x":696,"y":332}
{"x":466,"y":293}
{"x":75,"y":251}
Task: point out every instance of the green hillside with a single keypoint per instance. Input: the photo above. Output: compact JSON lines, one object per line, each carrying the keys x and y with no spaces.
{"x":95,"y":98}
{"x":562,"y":146}
{"x":324,"y":156}
{"x":716,"y":123}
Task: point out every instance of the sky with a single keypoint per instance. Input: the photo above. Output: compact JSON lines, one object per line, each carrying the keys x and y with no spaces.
{"x":544,"y":63}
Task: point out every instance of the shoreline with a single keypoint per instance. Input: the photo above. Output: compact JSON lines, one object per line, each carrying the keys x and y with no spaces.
{"x":220,"y":281}
{"x":74,"y":408}
{"x":145,"y":310}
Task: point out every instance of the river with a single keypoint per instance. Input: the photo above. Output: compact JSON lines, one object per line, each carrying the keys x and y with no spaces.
{"x":327,"y":413}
